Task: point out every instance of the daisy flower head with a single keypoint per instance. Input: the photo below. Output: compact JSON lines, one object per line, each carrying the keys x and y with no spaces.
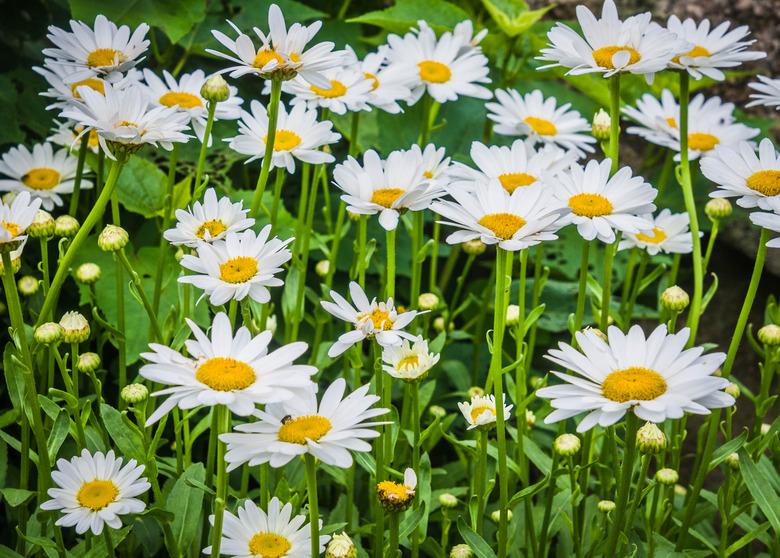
{"x":41,"y":172}
{"x":464,"y":33}
{"x":298,"y":136}
{"x":272,"y":534}
{"x":330,"y":430}
{"x":69,"y":134}
{"x":609,"y":45}
{"x":439,"y":66}
{"x":235,"y":370}
{"x":65,"y":91}
{"x":348,"y":90}
{"x":94,"y":490}
{"x":514,"y":221}
{"x":409,"y":361}
{"x":242,"y":265}
{"x":390,"y":83}
{"x":599,"y":204}
{"x":769,"y":221}
{"x":767,"y":92}
{"x":541,"y":120}
{"x":741,"y":172}
{"x":15,"y":218}
{"x":654,"y":377}
{"x":397,"y":496}
{"x":713,"y":49}
{"x":669,"y":235}
{"x":371,"y":320}
{"x":480,"y":412}
{"x":208,"y":221}
{"x":435,"y":164}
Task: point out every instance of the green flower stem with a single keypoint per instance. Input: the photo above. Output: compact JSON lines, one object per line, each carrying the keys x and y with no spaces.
{"x":277,"y":199}
{"x":582,"y":288}
{"x":76,"y":378}
{"x":196,"y":186}
{"x":223,"y":425}
{"x":614,"y":125}
{"x":418,"y":222}
{"x":449,"y":267}
{"x":265,"y":484}
{"x":108,"y":542}
{"x":63,"y":269}
{"x":606,"y":292}
{"x":273,"y":113}
{"x":136,"y":279}
{"x":314,"y":514}
{"x":637,"y":497}
{"x":452,"y":306}
{"x":415,"y":389}
{"x":166,"y":224}
{"x":666,"y":171}
{"x":335,"y":244}
{"x":548,"y":504}
{"x":433,"y":271}
{"x":360,"y":264}
{"x":82,"y":157}
{"x":303,"y":200}
{"x":521,"y":381}
{"x":303,"y":260}
{"x":767,"y":375}
{"x":710,"y":244}
{"x":480,"y":480}
{"x":479,"y":330}
{"x":393,"y":550}
{"x":640,"y":274}
{"x":627,"y":470}
{"x":651,"y":525}
{"x":379,"y":449}
{"x":725,"y":513}
{"x":575,"y":510}
{"x":390,"y":276}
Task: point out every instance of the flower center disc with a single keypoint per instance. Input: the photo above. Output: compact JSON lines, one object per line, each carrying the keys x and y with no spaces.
{"x":479,"y":409}
{"x":513,"y":180}
{"x":541,"y":126}
{"x":503,"y":225}
{"x":766,"y":182}
{"x":386,"y":196}
{"x":300,"y":430}
{"x":379,"y":318}
{"x":269,"y":545}
{"x":285,"y":140}
{"x":603,"y":56}
{"x":238,"y":270}
{"x":658,"y":236}
{"x":104,"y":57}
{"x":93,"y":83}
{"x":337,"y":89}
{"x":180,"y":99}
{"x":214,"y":227}
{"x":411,"y":361}
{"x":394,"y":492}
{"x":225,"y":374}
{"x":434,"y":72}
{"x":590,"y":205}
{"x":702,"y":142}
{"x":633,"y":384}
{"x":697,"y":52}
{"x":97,"y":494}
{"x":264,"y":57}
{"x":41,"y":179}
{"x":374,"y":80}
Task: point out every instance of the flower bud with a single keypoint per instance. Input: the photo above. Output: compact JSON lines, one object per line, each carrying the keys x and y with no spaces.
{"x":769,"y":335}
{"x":88,"y":273}
{"x":733,"y":390}
{"x":733,"y":461}
{"x":134,"y":393}
{"x":42,"y":225}
{"x":475,"y":391}
{"x":667,"y":477}
{"x":178,"y":254}
{"x":530,"y":418}
{"x":566,"y":445}
{"x":75,"y":327}
{"x":438,"y":324}
{"x":512,"y":315}
{"x":718,"y":208}
{"x":495,"y":516}
{"x":66,"y":226}
{"x":28,"y":285}
{"x":322,"y":268}
{"x":602,"y":123}
{"x":113,"y":238}
{"x":215,"y":89}
{"x":650,"y":439}
{"x":474,"y":247}
{"x":271,"y":324}
{"x":427,"y":301}
{"x":437,"y":411}
{"x":88,"y":362}
{"x":675,"y":299}
{"x":765,"y":428}
{"x":606,"y":506}
{"x":461,"y":551}
{"x":680,"y":490}
{"x":340,"y":546}
{"x":537,"y":382}
{"x":448,"y":500}
{"x":48,"y":333}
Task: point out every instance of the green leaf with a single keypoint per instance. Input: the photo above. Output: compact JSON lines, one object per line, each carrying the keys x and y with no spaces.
{"x":513,"y":16}
{"x":58,"y":434}
{"x":760,"y":487}
{"x":16,"y":496}
{"x":399,"y":18}
{"x":477,"y":543}
{"x":185,"y":502}
{"x":126,"y":436}
{"x":141,"y":187}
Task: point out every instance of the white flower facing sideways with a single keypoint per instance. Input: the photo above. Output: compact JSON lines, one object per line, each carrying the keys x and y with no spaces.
{"x":63,"y":91}
{"x":69,"y":134}
{"x":389,"y":82}
{"x":767,"y":92}
{"x":41,"y":172}
{"x":769,"y":221}
{"x":712,"y":48}
{"x":742,"y":173}
{"x":540,"y":119}
{"x":330,"y":430}
{"x":436,"y":166}
{"x":94,"y":490}
{"x":371,"y":320}
{"x":656,"y":378}
{"x":598,"y":204}
{"x":272,"y":534}
{"x":609,"y":45}
{"x":298,"y":136}
{"x":348,"y":91}
{"x":242,"y":265}
{"x":480,"y":412}
{"x":16,"y":217}
{"x":409,"y":361}
{"x":669,"y":235}
{"x":208,"y":221}
{"x":226,"y":369}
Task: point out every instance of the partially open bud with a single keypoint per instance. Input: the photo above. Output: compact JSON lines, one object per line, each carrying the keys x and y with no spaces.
{"x":322,"y":268}
{"x":733,"y":461}
{"x":427,"y":301}
{"x":28,"y":285}
{"x":461,"y":551}
{"x":397,"y":496}
{"x":606,"y":506}
{"x":75,"y":327}
{"x":474,"y":247}
{"x":675,"y":299}
{"x":448,"y":501}
{"x":566,"y":445}
{"x":650,"y":438}
{"x":48,"y":333}
{"x":733,"y":390}
{"x":718,"y":208}
{"x":769,"y":335}
{"x":340,"y":546}
{"x":134,"y":393}
{"x":495,"y":516}
{"x":88,"y":362}
{"x":66,"y":226}
{"x":271,"y":324}
{"x":113,"y":238}
{"x":512,"y":315}
{"x":601,"y":125}
{"x":215,"y":89}
{"x":475,"y":391}
{"x":42,"y":225}
{"x":88,"y":273}
{"x":667,"y":477}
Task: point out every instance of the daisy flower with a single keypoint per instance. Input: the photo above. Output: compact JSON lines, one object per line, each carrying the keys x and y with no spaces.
{"x":712,"y":48}
{"x":540,"y":119}
{"x":95,"y":490}
{"x":609,"y":45}
{"x":208,"y":221}
{"x":275,"y":534}
{"x":348,"y":91}
{"x":242,"y":265}
{"x":329,"y":431}
{"x":371,"y":319}
{"x":434,"y":162}
{"x":298,"y":136}
{"x":69,"y":134}
{"x":389,"y":82}
{"x":669,"y":235}
{"x":655,"y":377}
{"x":480,"y":412}
{"x":768,"y":92}
{"x":41,"y":172}
{"x":15,"y":218}
{"x":104,"y":50}
{"x":409,"y":362}
{"x":438,"y":65}
{"x":63,"y":91}
{"x":599,"y":203}
{"x":226,"y":369}
{"x":769,"y":221}
{"x":741,"y":172}
{"x":513,"y":221}
{"x":397,"y":496}
{"x":464,"y":32}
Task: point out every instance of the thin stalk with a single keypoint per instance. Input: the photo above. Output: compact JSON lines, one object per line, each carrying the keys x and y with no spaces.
{"x":415,"y":389}
{"x":277,"y":199}
{"x":417,"y":243}
{"x":480,"y":480}
{"x":203,"y":148}
{"x":629,"y":453}
{"x":223,"y":425}
{"x":394,"y":551}
{"x":166,"y":224}
{"x":82,"y":157}
{"x":614,"y":115}
{"x":390,"y":276}
{"x":273,"y":113}
{"x":640,"y":484}
{"x":108,"y":542}
{"x":548,"y":504}
{"x":459,"y":282}
{"x":314,"y":514}
{"x":136,"y":279}
{"x":711,"y":244}
{"x":575,"y":522}
{"x":582,"y":288}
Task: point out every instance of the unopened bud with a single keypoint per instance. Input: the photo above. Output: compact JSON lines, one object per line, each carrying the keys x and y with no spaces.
{"x":271,"y":324}
{"x":427,"y":301}
{"x":66,"y":226}
{"x":88,"y":362}
{"x":75,"y":327}
{"x":88,"y":273}
{"x":461,"y":551}
{"x":680,"y":490}
{"x":474,"y":247}
{"x":495,"y":516}
{"x":733,"y":390}
{"x":530,"y":418}
{"x":765,"y":428}
{"x":650,"y":439}
{"x":437,"y":411}
{"x":566,"y":445}
{"x":215,"y":89}
{"x":733,"y":461}
{"x":667,"y":477}
{"x":448,"y":500}
{"x":42,"y":225}
{"x":48,"y":333}
{"x":718,"y":208}
{"x":537,"y":382}
{"x":113,"y":238}
{"x":769,"y":334}
{"x":322,"y":268}
{"x":512,"y":315}
{"x":475,"y":391}
{"x":675,"y":299}
{"x":601,"y":125}
{"x":134,"y":393}
{"x":28,"y":285}
{"x":438,"y":324}
{"x":606,"y":506}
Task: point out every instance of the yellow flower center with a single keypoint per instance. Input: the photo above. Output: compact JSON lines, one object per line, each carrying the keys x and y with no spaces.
{"x":702,"y":142}
{"x":386,"y":196}
{"x":590,"y":205}
{"x":93,"y":83}
{"x":541,"y":126}
{"x":299,"y":430}
{"x":428,"y":174}
{"x":657,"y":238}
{"x":603,"y":56}
{"x":12,"y":228}
{"x":696,"y":52}
{"x":180,"y":99}
{"x":503,"y":225}
{"x":269,"y":545}
{"x":337,"y":89}
{"x":285,"y":140}
{"x":225,"y":374}
{"x":295,"y":57}
{"x":633,"y":383}
{"x":104,"y":57}
{"x":379,"y":318}
{"x":93,"y":140}
{"x":97,"y":494}
{"x":42,"y":178}
{"x":672,"y":122}
{"x":511,"y":181}
{"x":238,"y":270}
{"x":411,"y":361}
{"x":213,"y":227}
{"x":434,"y":72}
{"x":374,"y":80}
{"x":126,"y":124}
{"x":265,"y":56}
{"x":394,"y":492}
{"x":477,"y":410}
{"x":766,"y":182}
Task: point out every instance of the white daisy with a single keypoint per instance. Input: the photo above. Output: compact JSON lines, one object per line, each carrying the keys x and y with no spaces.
{"x":348,"y":91}
{"x":371,"y":319}
{"x":63,"y":91}
{"x":769,"y":221}
{"x":435,"y":164}
{"x":655,"y":377}
{"x":599,"y":203}
{"x":768,"y":92}
{"x":298,"y":136}
{"x":208,"y":221}
{"x":95,"y":490}
{"x":541,"y":120}
{"x":741,"y":172}
{"x":464,"y":32}
{"x":226,"y":369}
{"x":389,"y":82}
{"x":669,"y":235}
{"x":329,"y":431}
{"x":480,"y":412}
{"x":242,"y":265}
{"x":712,"y":48}
{"x":277,"y":534}
{"x":16,"y":217}
{"x":398,"y":496}
{"x":410,"y":362}
{"x":69,"y":134}
{"x":41,"y":172}
{"x":104,"y":50}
